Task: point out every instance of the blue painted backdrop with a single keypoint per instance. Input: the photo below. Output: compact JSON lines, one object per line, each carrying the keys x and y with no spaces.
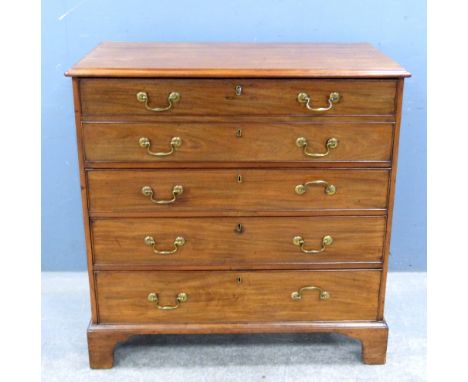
{"x":71,"y":28}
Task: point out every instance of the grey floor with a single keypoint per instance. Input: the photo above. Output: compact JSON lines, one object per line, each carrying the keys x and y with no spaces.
{"x":272,"y":357}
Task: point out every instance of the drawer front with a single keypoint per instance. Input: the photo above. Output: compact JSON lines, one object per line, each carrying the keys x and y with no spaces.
{"x":117,"y":98}
{"x":237,"y":296}
{"x":116,"y":191}
{"x":242,"y":242}
{"x":240,"y":142}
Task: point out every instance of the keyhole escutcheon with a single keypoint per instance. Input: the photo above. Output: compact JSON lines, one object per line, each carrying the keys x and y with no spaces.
{"x":239,"y":228}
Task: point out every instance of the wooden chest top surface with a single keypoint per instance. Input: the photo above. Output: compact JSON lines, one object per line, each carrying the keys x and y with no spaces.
{"x":148,"y":59}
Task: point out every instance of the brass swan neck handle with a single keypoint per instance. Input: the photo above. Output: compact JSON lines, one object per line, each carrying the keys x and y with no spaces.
{"x":330,"y":144}
{"x":330,"y":189}
{"x":172,"y":98}
{"x":297,"y":295}
{"x":145,"y":142}
{"x":181,"y":297}
{"x":304,"y":98}
{"x":177,"y":190}
{"x":327,"y":240}
{"x":151,"y":242}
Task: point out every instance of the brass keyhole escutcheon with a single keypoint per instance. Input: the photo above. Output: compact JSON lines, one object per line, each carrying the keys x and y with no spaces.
{"x":238,"y":90}
{"x":239,"y":228}
{"x":239,"y":133}
{"x":239,"y":280}
{"x":239,"y":179}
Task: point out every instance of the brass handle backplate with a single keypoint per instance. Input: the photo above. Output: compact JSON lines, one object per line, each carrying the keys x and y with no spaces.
{"x":178,"y":242}
{"x":326,"y":241}
{"x":144,"y":142}
{"x":297,"y":295}
{"x":177,"y":190}
{"x":172,"y":98}
{"x":181,"y":297}
{"x":304,"y":98}
{"x":329,"y":189}
{"x":330,"y":144}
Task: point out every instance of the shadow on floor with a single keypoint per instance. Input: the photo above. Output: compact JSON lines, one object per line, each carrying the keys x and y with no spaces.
{"x":238,"y":350}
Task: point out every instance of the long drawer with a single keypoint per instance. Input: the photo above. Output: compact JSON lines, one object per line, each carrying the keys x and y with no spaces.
{"x":237,"y":142}
{"x":117,"y":191}
{"x":223,"y":296}
{"x":125,"y":99}
{"x":237,"y":242}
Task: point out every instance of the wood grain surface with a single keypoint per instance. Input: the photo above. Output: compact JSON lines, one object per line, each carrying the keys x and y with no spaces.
{"x":116,"y":98}
{"x":119,"y":191}
{"x":221,"y":242}
{"x":218,"y":296}
{"x":84,"y":199}
{"x":158,"y":59}
{"x":238,"y":142}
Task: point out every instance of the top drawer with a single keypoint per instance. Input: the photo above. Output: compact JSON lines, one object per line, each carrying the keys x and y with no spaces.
{"x":127,"y":99}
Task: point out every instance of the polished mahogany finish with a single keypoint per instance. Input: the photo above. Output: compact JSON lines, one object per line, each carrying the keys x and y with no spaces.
{"x":359,"y":144}
{"x":237,"y":188}
{"x":261,"y":60}
{"x":248,"y":242}
{"x":116,"y":98}
{"x":218,"y":191}
{"x":228,"y":296}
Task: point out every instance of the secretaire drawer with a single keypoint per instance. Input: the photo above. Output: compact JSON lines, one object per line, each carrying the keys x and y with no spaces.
{"x":224,"y":242}
{"x":223,"y":296}
{"x":124,"y":99}
{"x":237,"y":142}
{"x":155,"y":191}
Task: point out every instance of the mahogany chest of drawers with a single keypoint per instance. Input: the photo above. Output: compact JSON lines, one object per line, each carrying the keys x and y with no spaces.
{"x":237,"y":188}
